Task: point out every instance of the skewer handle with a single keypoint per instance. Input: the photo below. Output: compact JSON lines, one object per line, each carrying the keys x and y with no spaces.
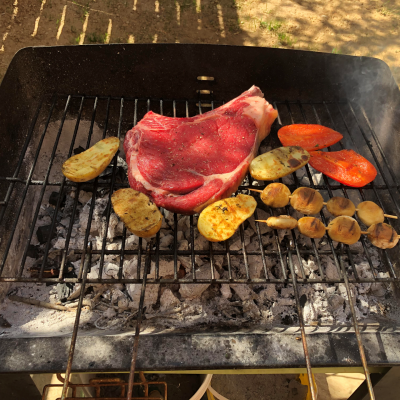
{"x":261,"y":220}
{"x":255,"y":190}
{"x":390,"y":216}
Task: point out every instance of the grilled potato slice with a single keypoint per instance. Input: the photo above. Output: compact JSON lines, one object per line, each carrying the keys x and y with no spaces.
{"x":276,"y":195}
{"x":311,"y":227}
{"x":370,"y":213}
{"x":220,"y":220}
{"x":140,"y":215}
{"x":91,"y":163}
{"x":340,"y":206}
{"x":344,"y":229}
{"x":383,"y":236}
{"x":278,"y":163}
{"x":307,"y":201}
{"x":282,"y":222}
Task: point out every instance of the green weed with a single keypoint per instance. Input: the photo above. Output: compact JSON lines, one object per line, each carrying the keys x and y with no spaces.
{"x":285,"y":39}
{"x":336,"y":50}
{"x":272,"y":26}
{"x":96,"y":37}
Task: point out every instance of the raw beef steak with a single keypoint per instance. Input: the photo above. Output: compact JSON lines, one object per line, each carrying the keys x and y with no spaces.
{"x":184,"y":164}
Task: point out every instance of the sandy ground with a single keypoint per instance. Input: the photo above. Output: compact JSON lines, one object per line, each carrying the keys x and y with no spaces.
{"x":358,"y":27}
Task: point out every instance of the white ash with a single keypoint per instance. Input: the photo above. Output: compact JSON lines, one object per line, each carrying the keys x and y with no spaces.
{"x":180,"y":306}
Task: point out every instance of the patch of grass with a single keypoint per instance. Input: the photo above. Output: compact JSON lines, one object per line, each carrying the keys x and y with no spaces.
{"x":96,"y":37}
{"x":285,"y":39}
{"x":77,"y":39}
{"x":272,"y":26}
{"x":336,"y":50}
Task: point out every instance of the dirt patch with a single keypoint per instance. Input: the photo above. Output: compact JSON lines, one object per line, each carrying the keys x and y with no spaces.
{"x":360,"y":28}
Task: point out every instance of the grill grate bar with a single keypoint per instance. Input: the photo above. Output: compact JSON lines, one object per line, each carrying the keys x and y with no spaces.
{"x":14,"y":227}
{"x":14,"y":178}
{"x":85,"y":270}
{"x":348,"y":290}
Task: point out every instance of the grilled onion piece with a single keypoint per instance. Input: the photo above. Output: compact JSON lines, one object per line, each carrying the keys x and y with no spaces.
{"x":282,"y":222}
{"x":382,"y":235}
{"x":276,"y":195}
{"x":91,"y":163}
{"x":311,"y":227}
{"x":341,"y":206}
{"x":370,"y":213}
{"x":140,"y":215}
{"x":307,"y":201}
{"x":344,"y":229}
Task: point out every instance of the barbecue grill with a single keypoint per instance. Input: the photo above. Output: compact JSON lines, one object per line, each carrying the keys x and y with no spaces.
{"x":114,"y":86}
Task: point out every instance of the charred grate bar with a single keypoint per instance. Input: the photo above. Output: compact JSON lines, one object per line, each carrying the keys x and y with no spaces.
{"x":121,"y":113}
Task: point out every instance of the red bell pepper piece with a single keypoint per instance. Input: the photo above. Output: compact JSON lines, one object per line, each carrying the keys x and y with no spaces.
{"x":308,"y":136}
{"x":344,"y":166}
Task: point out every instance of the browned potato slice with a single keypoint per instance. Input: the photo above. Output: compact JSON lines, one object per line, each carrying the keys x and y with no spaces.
{"x":370,"y":213}
{"x":276,"y":195}
{"x":278,"y":163}
{"x":341,"y":206}
{"x":344,"y":229}
{"x":382,"y":235}
{"x":282,"y":222}
{"x":91,"y":163}
{"x":311,"y":227}
{"x":307,"y":201}
{"x":220,"y":220}
{"x":140,"y":215}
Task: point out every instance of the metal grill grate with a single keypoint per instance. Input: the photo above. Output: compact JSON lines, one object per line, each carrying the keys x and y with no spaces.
{"x":36,"y":173}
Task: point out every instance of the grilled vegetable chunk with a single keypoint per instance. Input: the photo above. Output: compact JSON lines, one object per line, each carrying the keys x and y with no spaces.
{"x":282,"y":222}
{"x":310,"y":137}
{"x":340,"y":206}
{"x":91,"y":163}
{"x":140,"y":215}
{"x":383,"y":236}
{"x":344,"y":229}
{"x":276,"y":195}
{"x":370,"y":213}
{"x":311,"y":227}
{"x":307,"y":201}
{"x":220,"y":220}
{"x":278,"y":163}
{"x":344,"y":166}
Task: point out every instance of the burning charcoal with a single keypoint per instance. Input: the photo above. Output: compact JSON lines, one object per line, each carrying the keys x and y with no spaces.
{"x":190,"y":291}
{"x":335,"y":301}
{"x":226,"y":291}
{"x":53,"y":199}
{"x":168,"y":300}
{"x":243,"y":291}
{"x":84,"y":197}
{"x":4,"y":323}
{"x":268,"y":294}
{"x":151,"y":294}
{"x":64,"y":290}
{"x":33,"y":251}
{"x":166,"y":241}
{"x":43,"y":233}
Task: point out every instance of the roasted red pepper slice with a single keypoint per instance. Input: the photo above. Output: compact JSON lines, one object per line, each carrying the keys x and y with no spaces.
{"x":345,"y":166}
{"x":308,"y":136}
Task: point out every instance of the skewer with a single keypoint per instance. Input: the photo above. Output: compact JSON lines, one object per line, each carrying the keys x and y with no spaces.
{"x":385,"y":215}
{"x":256,"y":190}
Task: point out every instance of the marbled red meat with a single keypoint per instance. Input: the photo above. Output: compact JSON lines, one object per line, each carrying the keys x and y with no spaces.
{"x":184,"y":164}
